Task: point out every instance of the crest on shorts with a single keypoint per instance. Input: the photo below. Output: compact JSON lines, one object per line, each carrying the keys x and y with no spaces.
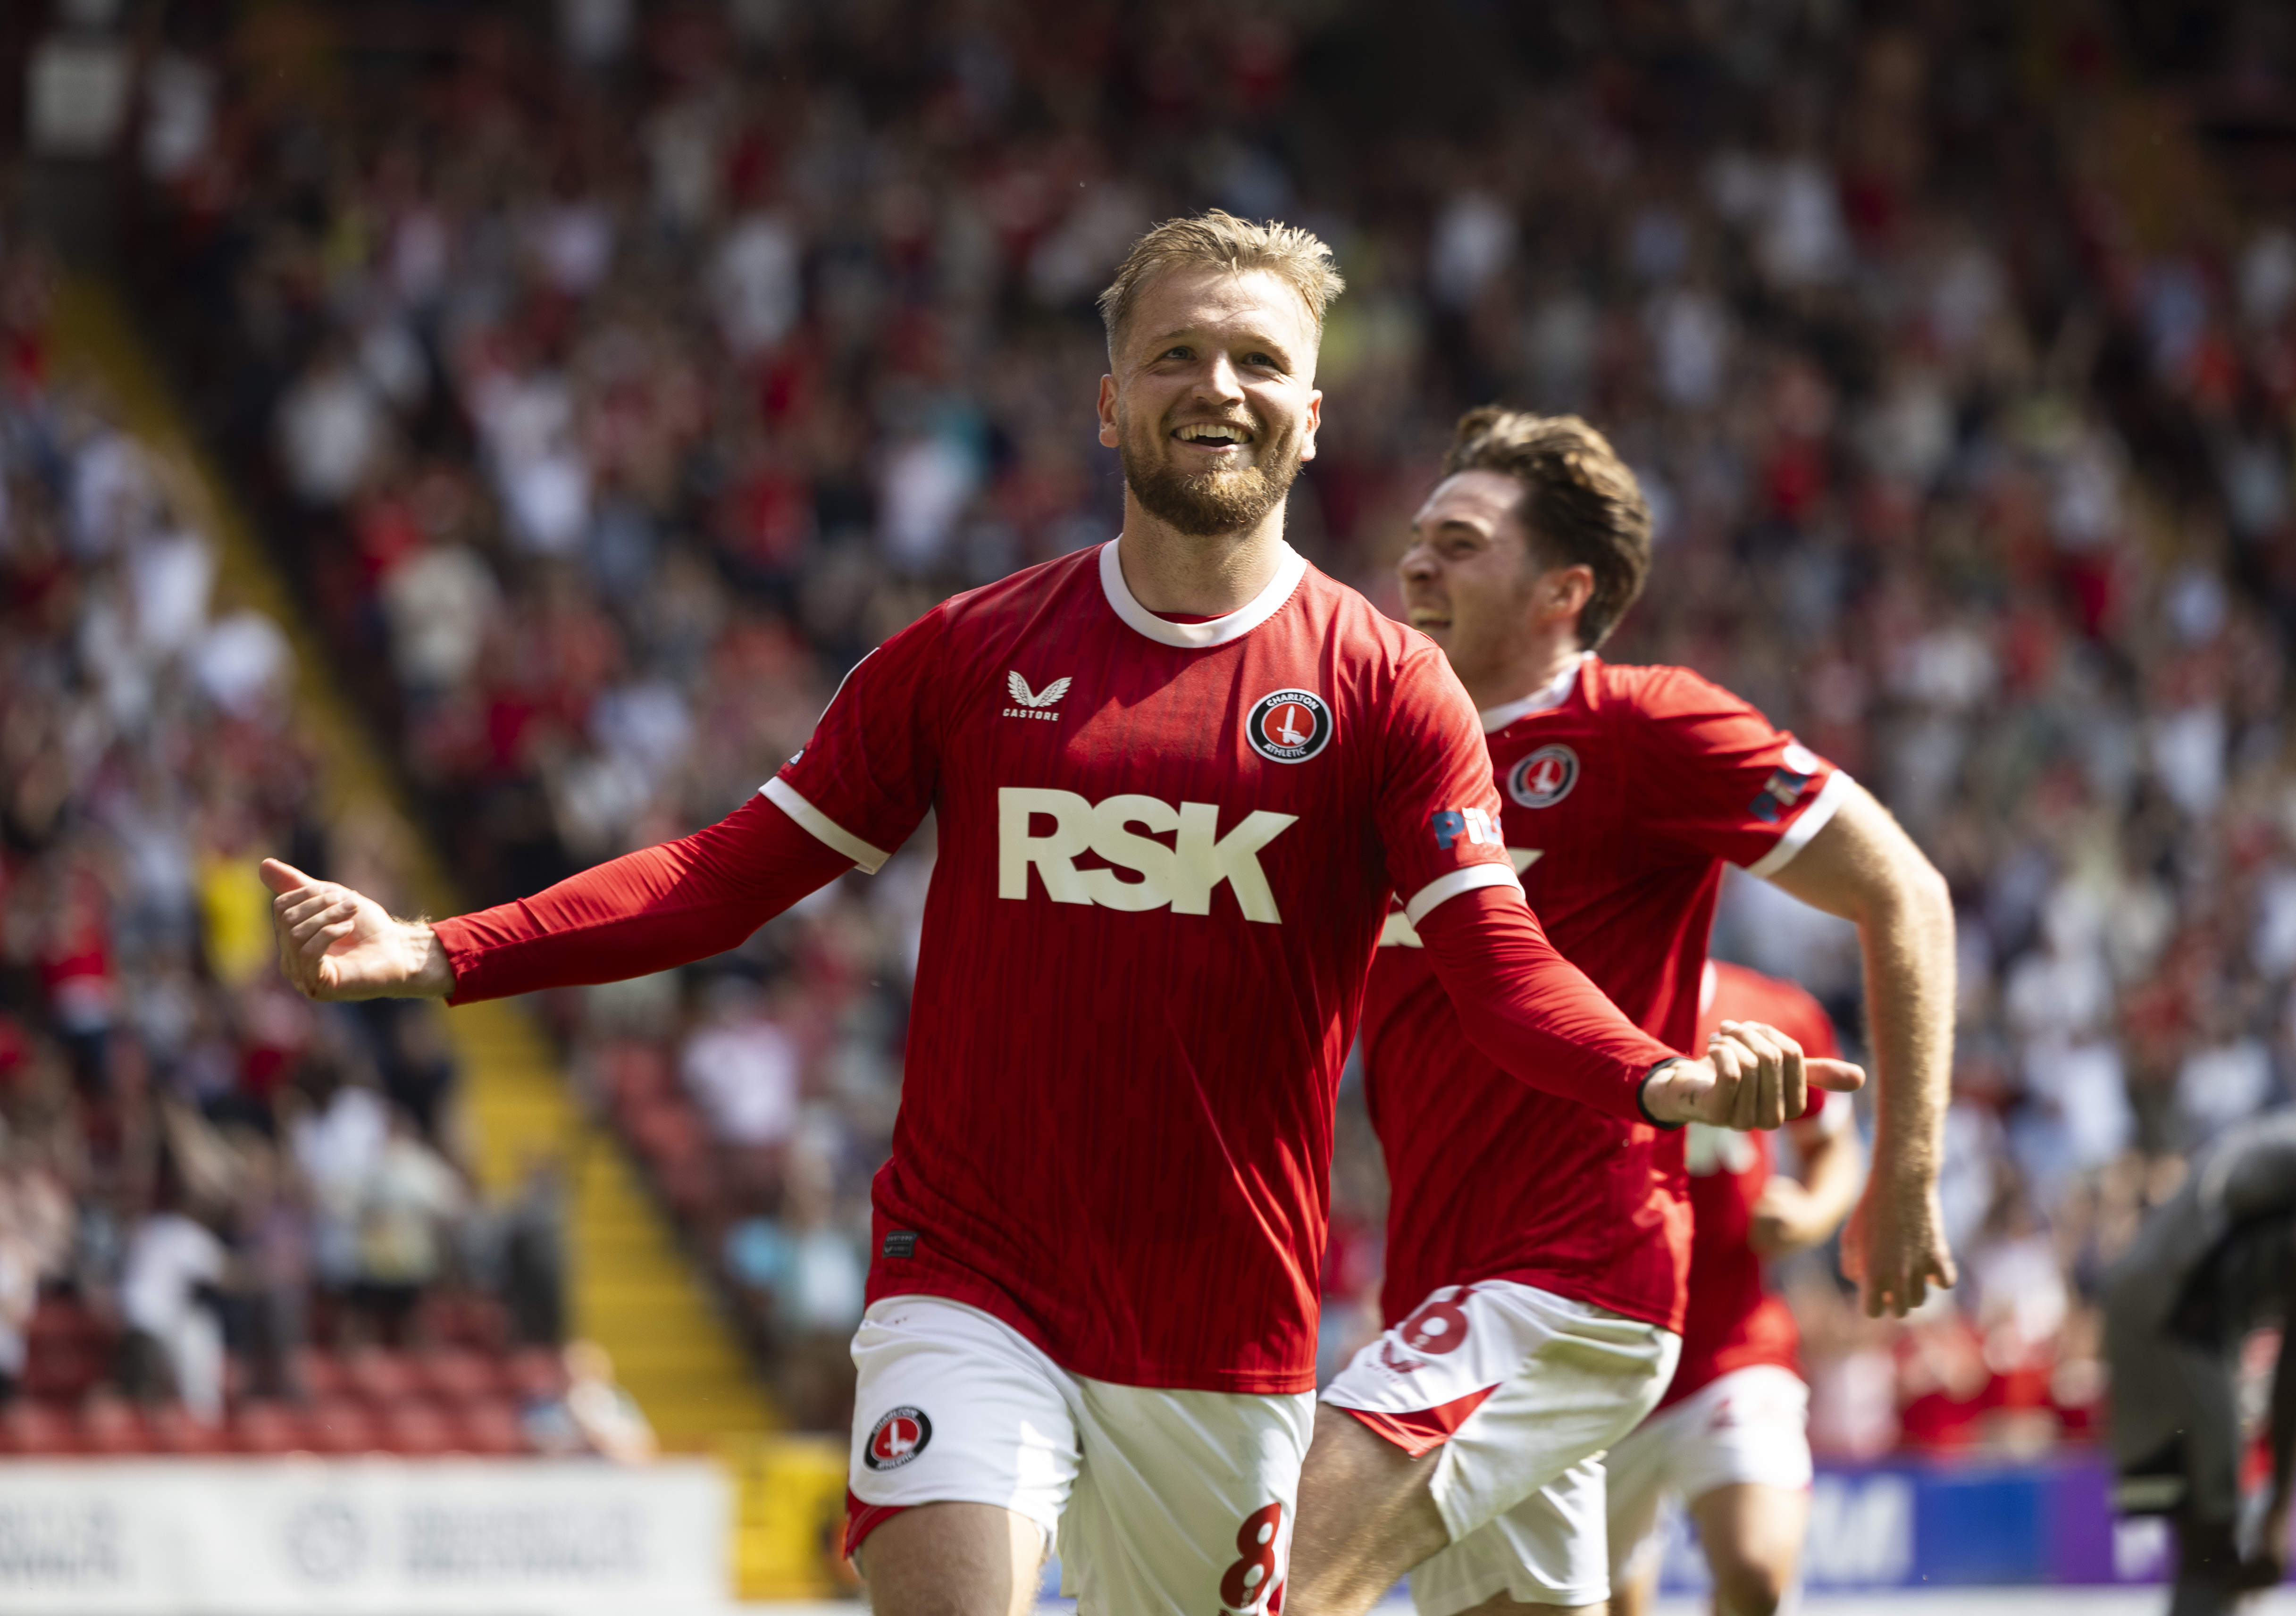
{"x":897,"y":1439}
{"x":1544,"y":777}
{"x":1289,"y":725}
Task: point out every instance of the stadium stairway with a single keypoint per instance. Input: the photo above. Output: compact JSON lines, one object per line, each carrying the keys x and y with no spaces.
{"x":634,"y":1291}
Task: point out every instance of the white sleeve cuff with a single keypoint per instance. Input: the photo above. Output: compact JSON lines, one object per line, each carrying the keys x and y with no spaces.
{"x":1812,"y":820}
{"x":1444,"y":887}
{"x":783,"y":796}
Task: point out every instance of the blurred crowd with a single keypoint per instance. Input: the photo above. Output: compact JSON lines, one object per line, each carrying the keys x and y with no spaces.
{"x":215,"y":1199}
{"x":612,"y":389}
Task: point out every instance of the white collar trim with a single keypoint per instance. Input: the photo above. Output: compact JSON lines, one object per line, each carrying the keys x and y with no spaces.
{"x":1543,"y":700}
{"x":1219,"y":630}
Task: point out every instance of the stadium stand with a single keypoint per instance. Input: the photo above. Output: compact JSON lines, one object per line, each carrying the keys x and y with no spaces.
{"x":227,"y":1225}
{"x":608,"y":410}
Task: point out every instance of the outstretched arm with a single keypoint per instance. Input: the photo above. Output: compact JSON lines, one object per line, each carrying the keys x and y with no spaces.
{"x":1863,"y":867}
{"x":1537,"y":1016}
{"x":645,"y":912}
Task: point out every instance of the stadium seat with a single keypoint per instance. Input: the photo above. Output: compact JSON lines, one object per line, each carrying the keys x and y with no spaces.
{"x":491,"y":1426}
{"x":264,"y":1427}
{"x":31,"y":1426}
{"x":174,"y":1430}
{"x":379,"y":1375}
{"x":318,"y":1373}
{"x":66,"y":1349}
{"x":420,"y":1427}
{"x":462,"y":1320}
{"x":108,"y":1423}
{"x":457,"y":1375}
{"x":340,"y":1425}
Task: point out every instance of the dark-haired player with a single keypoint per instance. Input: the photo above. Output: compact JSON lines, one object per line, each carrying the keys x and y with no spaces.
{"x":1176,"y":778}
{"x":1537,"y":1250}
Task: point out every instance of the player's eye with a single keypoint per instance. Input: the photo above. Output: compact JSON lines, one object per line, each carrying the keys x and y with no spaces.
{"x":1174,"y":353}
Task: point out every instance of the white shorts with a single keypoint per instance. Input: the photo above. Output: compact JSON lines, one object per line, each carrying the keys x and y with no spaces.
{"x":1522,"y":1391}
{"x":1750,"y":1425}
{"x":1159,"y":1501}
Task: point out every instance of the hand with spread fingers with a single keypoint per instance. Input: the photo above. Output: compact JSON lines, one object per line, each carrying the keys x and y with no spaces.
{"x":1751,"y":1076}
{"x":337,"y":944}
{"x":1894,"y":1246}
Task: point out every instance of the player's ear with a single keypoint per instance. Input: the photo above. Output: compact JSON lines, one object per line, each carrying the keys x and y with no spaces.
{"x":1107,"y":407}
{"x":1315,"y":420}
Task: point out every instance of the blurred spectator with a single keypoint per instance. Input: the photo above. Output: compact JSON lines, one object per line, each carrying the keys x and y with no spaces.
{"x":593,"y":1414}
{"x":742,"y":1070}
{"x":534,"y":1256}
{"x":405,"y":1198}
{"x":174,"y":1342}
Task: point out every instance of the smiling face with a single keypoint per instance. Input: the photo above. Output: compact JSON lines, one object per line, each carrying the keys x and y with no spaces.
{"x":1473,"y":583}
{"x":1212,"y":404}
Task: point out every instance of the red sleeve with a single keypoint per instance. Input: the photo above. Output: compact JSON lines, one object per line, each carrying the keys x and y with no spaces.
{"x":1438,"y":808}
{"x":867,"y":777}
{"x":1532,"y":1010}
{"x":644,"y":912}
{"x":1720,"y":779}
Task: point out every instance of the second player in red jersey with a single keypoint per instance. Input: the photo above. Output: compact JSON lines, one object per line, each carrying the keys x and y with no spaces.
{"x":1624,"y":791}
{"x":1730,"y":1438}
{"x":1538,"y":1254}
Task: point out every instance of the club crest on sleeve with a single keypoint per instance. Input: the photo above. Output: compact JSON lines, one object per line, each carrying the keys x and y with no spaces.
{"x":1544,"y":777}
{"x":1289,"y":725}
{"x":898,"y":1439}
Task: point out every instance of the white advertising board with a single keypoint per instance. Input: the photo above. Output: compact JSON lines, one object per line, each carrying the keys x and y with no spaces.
{"x":373,"y":1537}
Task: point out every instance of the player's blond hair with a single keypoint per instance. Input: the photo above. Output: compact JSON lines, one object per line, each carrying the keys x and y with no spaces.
{"x":1219,"y":240}
{"x":1581,"y":505}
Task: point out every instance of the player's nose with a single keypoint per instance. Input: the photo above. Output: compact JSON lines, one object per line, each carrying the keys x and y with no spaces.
{"x":1219,"y":382}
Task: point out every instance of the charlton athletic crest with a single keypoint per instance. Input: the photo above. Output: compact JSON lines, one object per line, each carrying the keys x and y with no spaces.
{"x":1289,"y":727}
{"x":899,"y":1437}
{"x":1544,"y":778}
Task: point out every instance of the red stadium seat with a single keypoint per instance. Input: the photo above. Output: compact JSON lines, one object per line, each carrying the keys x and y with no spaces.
{"x":266,"y":1428}
{"x":340,"y":1425}
{"x":419,"y":1426}
{"x":492,"y":1427}
{"x":462,"y":1320}
{"x":29,"y":1427}
{"x":111,"y":1424}
{"x":174,"y":1430}
{"x":380,"y":1376}
{"x":318,"y":1373}
{"x":457,"y":1375}
{"x":67,"y":1349}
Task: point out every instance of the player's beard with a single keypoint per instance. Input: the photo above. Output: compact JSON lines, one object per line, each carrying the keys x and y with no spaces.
{"x":1222,"y":500}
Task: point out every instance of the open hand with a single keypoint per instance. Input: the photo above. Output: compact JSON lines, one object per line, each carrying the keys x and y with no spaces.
{"x":1753,"y":1075}
{"x":1895,"y":1245}
{"x":337,"y":944}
